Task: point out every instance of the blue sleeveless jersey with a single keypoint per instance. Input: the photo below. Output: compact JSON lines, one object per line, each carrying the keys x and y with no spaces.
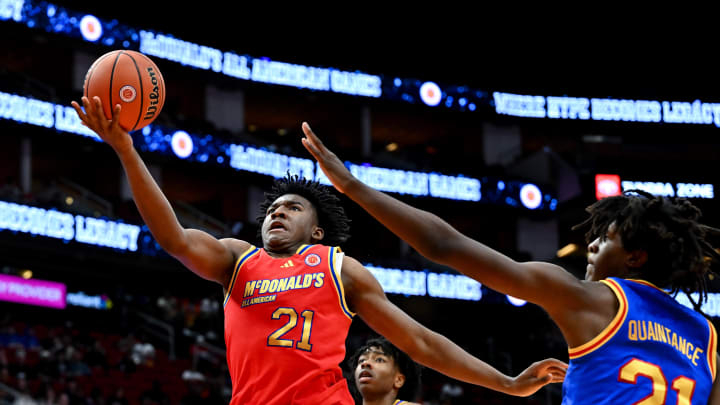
{"x":655,"y":351}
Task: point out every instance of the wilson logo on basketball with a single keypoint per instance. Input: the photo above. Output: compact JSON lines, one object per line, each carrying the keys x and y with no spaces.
{"x":127,"y":93}
{"x":312,"y":260}
{"x":153,"y":96}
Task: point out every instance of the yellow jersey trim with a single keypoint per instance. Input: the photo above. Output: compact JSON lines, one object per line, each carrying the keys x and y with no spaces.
{"x":238,"y":264}
{"x":609,"y":330}
{"x":712,"y":350}
{"x":302,"y":249}
{"x":649,"y":284}
{"x":337,"y":280}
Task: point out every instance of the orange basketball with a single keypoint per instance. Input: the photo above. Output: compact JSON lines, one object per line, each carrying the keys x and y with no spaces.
{"x":130,"y":79}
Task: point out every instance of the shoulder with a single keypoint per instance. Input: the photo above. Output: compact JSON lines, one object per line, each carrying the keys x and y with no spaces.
{"x":359,"y":282}
{"x":604,"y":293}
{"x":239,"y":249}
{"x":354,"y":272}
{"x":236,"y":246}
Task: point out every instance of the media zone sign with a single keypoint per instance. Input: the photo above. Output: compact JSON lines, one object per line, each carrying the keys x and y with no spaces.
{"x":607,"y":185}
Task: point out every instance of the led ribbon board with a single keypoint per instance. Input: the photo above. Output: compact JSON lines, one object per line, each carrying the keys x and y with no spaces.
{"x":76,"y":24}
{"x":427,"y":283}
{"x":62,"y":225}
{"x":607,"y":109}
{"x":113,"y":34}
{"x":211,"y":150}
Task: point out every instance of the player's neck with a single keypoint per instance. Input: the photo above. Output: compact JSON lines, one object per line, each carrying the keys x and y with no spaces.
{"x":387,"y":399}
{"x":283,"y":251}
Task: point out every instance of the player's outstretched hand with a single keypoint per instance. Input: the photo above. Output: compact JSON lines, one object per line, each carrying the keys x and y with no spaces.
{"x":330,"y":164}
{"x":537,"y":376}
{"x":108,"y":130}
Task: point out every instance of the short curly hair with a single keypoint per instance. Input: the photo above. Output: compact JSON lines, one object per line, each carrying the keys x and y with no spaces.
{"x":411,"y":370}
{"x":331,"y":215}
{"x":668,"y":229}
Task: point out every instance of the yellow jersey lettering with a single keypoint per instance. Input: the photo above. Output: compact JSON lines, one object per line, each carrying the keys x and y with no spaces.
{"x":307,"y":281}
{"x":690,"y":350}
{"x":696,"y":355}
{"x":282,"y":284}
{"x":642,"y":332}
{"x":651,"y":330}
{"x":258,"y":300}
{"x":272,"y":286}
{"x":249,"y":288}
{"x":667,"y":333}
{"x":632,"y":330}
{"x":682,"y":345}
{"x":319,"y":280}
{"x":660,"y":332}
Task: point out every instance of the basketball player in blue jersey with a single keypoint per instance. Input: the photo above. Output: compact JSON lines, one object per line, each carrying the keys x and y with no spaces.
{"x":629,"y":341}
{"x":289,"y":304}
{"x":384,"y":375}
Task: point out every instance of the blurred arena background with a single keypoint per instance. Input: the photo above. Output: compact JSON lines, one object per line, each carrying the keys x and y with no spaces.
{"x":525,"y":119}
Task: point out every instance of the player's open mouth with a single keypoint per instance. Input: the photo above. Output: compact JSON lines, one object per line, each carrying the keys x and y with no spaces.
{"x":277,"y":225}
{"x":364,"y":376}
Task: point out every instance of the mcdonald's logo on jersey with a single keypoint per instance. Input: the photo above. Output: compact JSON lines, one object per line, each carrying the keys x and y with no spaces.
{"x":312,"y":259}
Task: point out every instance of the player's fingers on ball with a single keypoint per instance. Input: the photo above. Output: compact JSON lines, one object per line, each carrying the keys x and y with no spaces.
{"x":86,"y":103}
{"x":78,"y":110}
{"x":116,"y":112}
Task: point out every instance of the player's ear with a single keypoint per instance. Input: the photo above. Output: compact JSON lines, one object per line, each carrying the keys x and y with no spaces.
{"x":318,"y":233}
{"x":399,"y":380}
{"x":636,"y":259}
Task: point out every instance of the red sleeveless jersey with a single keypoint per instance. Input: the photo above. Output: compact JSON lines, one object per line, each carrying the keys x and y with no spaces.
{"x":286,"y":322}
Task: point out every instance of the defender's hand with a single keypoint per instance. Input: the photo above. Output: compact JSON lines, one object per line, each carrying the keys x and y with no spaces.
{"x":537,"y":376}
{"x":330,"y":164}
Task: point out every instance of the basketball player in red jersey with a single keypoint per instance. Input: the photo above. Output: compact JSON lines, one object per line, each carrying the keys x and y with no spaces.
{"x":288,"y":305}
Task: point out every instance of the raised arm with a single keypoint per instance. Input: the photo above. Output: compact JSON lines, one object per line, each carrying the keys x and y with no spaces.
{"x":437,"y":240}
{"x":366,"y":297}
{"x":202,"y":253}
{"x":567,"y":299}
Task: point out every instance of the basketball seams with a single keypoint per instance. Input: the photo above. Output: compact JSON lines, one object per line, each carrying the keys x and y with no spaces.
{"x":142,"y":92}
{"x":162,"y":80}
{"x":112,"y":77}
{"x":111,"y":73}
